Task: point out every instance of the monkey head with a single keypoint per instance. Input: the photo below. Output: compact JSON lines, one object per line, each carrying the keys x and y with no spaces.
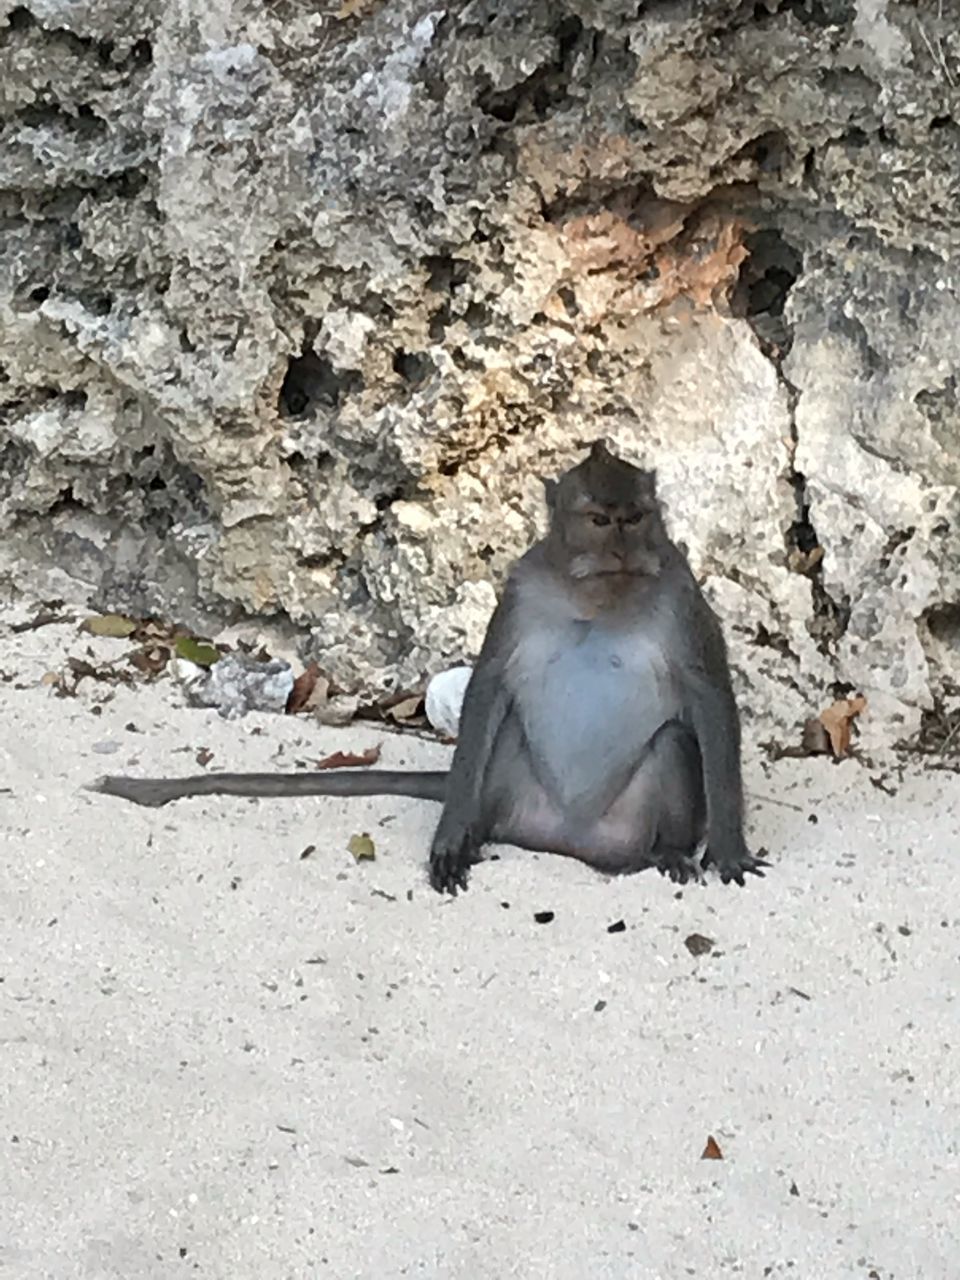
{"x":605,"y":519}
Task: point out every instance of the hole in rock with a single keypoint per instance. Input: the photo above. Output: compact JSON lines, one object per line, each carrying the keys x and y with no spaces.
{"x":20,"y":19}
{"x":943,"y":623}
{"x":312,"y":383}
{"x":767,"y":276}
{"x":413,"y":366}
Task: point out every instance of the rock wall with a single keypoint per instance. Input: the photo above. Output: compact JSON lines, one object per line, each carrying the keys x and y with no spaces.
{"x":297,"y":302}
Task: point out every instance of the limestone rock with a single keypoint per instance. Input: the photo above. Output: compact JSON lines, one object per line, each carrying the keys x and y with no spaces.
{"x":296,"y":305}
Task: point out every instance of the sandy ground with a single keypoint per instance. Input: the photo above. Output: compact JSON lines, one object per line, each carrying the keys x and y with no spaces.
{"x":221,"y":1058}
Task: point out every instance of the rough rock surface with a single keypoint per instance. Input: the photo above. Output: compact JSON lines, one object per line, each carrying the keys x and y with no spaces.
{"x":295,"y":305}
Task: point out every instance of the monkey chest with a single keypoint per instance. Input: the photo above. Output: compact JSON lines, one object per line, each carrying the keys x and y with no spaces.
{"x":590,"y":698}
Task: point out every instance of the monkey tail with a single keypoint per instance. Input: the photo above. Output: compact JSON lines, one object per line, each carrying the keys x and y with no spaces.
{"x":417,"y":784}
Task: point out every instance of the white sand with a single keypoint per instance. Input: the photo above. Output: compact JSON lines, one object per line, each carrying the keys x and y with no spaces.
{"x":221,"y":1060}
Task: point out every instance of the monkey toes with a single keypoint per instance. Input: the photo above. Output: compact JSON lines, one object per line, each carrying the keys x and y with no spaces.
{"x":451,"y":858}
{"x":678,"y":864}
{"x":734,"y":868}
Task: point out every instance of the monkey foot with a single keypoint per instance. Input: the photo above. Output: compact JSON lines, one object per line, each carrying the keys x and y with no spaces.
{"x":735,"y":868}
{"x":678,"y":864}
{"x":450,"y":863}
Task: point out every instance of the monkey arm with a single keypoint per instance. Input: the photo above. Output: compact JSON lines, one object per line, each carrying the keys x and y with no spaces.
{"x":462,"y":828}
{"x":713,"y":713}
{"x":711,"y":710}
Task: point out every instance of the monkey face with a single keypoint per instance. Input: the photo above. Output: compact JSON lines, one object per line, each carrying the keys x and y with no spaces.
{"x":604,"y":540}
{"x":606,"y":515}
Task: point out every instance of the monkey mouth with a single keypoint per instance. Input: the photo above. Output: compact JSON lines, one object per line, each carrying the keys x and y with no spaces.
{"x":585,"y":567}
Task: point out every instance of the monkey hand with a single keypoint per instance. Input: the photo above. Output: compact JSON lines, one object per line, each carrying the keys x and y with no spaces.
{"x":735,"y":861}
{"x":453,"y":852}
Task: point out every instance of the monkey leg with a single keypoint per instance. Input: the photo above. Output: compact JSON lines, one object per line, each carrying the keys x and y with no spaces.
{"x":656,"y":820}
{"x":681,"y":804}
{"x":659,"y":818}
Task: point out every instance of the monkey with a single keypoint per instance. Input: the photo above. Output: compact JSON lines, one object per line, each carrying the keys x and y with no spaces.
{"x":599,"y":722}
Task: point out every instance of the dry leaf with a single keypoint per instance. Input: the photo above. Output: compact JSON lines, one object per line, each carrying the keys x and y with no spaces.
{"x":151,"y":659}
{"x":804,"y":561}
{"x":303,"y":689}
{"x":204,"y":756}
{"x":113,"y":625}
{"x":345,"y":759}
{"x":108,"y":673}
{"x":151,"y":630}
{"x":355,"y":9}
{"x":712,"y":1150}
{"x":838,"y":720}
{"x":362,"y":847}
{"x":408,"y":708}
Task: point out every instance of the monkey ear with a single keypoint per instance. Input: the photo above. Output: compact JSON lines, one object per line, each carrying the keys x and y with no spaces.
{"x":599,"y":451}
{"x":550,"y":492}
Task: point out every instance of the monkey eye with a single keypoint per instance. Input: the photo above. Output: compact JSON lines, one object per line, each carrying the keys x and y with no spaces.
{"x":600,"y":520}
{"x":636,"y":518}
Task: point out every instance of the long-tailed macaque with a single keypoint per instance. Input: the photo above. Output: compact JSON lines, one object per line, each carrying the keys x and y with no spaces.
{"x":599,"y":721}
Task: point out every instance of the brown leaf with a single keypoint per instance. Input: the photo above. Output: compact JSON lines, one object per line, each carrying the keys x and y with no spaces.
{"x":804,"y":561}
{"x":712,"y":1150}
{"x":81,"y":667}
{"x":346,"y":759}
{"x":151,"y":659}
{"x":204,"y":756}
{"x":408,"y":708}
{"x":152,"y":630}
{"x":303,"y":687}
{"x":838,"y":720}
{"x":355,"y":9}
